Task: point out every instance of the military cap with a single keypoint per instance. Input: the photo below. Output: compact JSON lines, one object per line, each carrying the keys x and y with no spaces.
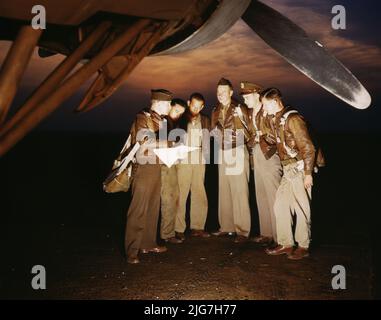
{"x":248,"y":87}
{"x":161,"y":95}
{"x":225,"y":82}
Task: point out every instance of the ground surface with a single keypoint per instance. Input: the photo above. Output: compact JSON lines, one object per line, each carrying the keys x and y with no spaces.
{"x":55,"y":213}
{"x":213,"y":268}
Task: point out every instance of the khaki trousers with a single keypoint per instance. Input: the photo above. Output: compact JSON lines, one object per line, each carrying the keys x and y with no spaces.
{"x":292,"y":198}
{"x":191,"y":179}
{"x":233,"y":191}
{"x":143,"y":213}
{"x":267,"y":176}
{"x":169,"y":201}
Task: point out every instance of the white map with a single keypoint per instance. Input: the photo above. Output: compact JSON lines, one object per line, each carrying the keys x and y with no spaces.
{"x":169,"y":156}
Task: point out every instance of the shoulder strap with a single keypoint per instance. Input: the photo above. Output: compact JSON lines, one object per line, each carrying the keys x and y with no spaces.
{"x":280,"y":130}
{"x":127,"y":144}
{"x":284,"y":117}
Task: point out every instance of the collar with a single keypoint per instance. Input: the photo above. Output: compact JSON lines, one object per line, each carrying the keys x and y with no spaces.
{"x":196,"y":119}
{"x":281,"y":112}
{"x":155,"y":115}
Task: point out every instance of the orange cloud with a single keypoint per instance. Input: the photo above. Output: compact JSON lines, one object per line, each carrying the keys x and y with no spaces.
{"x":239,"y":55}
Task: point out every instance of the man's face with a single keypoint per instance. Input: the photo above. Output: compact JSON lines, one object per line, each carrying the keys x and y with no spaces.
{"x":250,"y":99}
{"x":176,"y":112}
{"x":195,"y":106}
{"x":271,"y":106}
{"x":163,"y":107}
{"x":224,"y":94}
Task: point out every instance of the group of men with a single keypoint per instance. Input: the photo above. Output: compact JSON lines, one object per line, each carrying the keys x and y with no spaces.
{"x":261,"y":133}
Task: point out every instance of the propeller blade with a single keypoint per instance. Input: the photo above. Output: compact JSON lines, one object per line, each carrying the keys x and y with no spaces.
{"x":305,"y":54}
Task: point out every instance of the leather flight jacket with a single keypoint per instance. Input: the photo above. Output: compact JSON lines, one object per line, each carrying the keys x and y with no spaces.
{"x":146,"y":119}
{"x":293,"y":140}
{"x":225,"y":124}
{"x":255,"y":130}
{"x":147,"y":122}
{"x":262,"y":133}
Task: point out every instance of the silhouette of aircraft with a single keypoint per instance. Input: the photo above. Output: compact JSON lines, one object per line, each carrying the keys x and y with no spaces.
{"x":111,"y":37}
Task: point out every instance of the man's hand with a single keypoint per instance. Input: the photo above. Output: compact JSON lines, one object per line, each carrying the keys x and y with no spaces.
{"x":308,"y":181}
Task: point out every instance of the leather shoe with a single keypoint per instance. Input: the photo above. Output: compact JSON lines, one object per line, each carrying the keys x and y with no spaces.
{"x":223,"y":234}
{"x":279,"y":250}
{"x":180,"y":235}
{"x":173,"y":240}
{"x":263,"y":240}
{"x":240,"y":239}
{"x":133,"y":260}
{"x":200,"y":234}
{"x":154,"y":250}
{"x":272,"y":245}
{"x":299,"y":253}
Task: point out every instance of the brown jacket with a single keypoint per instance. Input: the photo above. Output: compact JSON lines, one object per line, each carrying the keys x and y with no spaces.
{"x":263,"y":134}
{"x":224,"y":128}
{"x":146,"y":119}
{"x":267,"y":141}
{"x":255,"y":134}
{"x":295,"y":135}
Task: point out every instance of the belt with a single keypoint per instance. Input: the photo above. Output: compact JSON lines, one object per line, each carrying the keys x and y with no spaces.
{"x":289,"y":161}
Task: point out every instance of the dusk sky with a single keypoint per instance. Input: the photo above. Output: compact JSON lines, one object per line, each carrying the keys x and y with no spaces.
{"x":241,"y":55}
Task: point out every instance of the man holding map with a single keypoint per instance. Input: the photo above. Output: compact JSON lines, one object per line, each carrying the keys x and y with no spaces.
{"x":143,"y":213}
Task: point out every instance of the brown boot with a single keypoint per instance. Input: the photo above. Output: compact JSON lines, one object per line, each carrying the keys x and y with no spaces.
{"x":200,"y":234}
{"x":299,"y":253}
{"x":277,"y":251}
{"x":173,"y":240}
